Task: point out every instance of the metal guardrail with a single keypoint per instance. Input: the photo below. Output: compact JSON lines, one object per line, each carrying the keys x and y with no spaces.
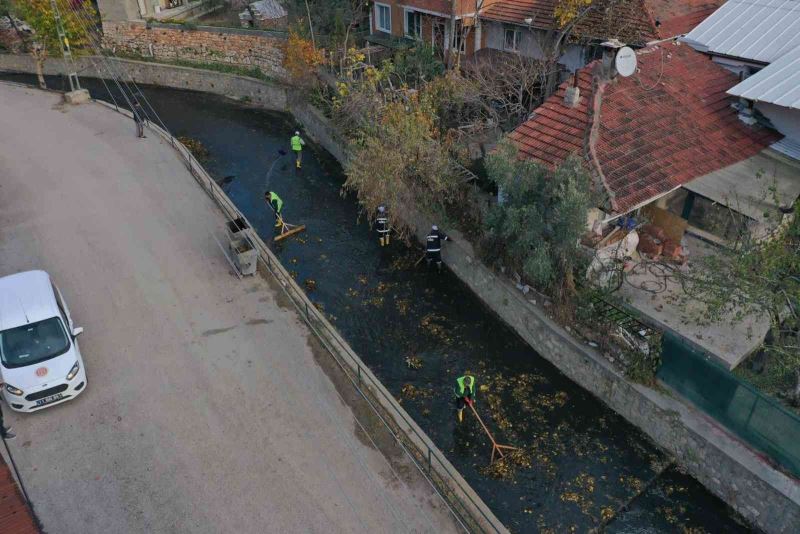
{"x":470,"y":512}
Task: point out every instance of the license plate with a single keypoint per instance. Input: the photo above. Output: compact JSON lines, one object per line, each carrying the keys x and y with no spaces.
{"x":48,"y":400}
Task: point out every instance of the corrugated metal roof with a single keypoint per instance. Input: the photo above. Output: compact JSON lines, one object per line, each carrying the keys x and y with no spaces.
{"x":778,"y":83}
{"x":787,"y":147}
{"x":756,"y":30}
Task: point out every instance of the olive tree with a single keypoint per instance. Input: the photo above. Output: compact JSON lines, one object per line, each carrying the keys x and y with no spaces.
{"x":540,"y":218}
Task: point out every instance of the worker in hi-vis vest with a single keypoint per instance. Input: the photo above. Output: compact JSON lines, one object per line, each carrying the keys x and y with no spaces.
{"x":464,"y":391}
{"x":297,"y":146}
{"x":276,"y":204}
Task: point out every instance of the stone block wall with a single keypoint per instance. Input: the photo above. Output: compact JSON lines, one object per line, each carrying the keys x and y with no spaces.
{"x":204,"y":44}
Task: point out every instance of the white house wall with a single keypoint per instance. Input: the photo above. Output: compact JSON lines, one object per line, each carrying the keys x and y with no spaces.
{"x":530,"y":44}
{"x":785,"y":120}
{"x":573,"y":58}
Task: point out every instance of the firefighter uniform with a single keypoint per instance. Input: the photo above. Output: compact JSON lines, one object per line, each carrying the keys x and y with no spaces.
{"x":382,"y":226}
{"x":433,"y":246}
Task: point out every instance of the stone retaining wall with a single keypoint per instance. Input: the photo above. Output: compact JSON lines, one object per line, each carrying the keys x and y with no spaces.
{"x":233,"y":46}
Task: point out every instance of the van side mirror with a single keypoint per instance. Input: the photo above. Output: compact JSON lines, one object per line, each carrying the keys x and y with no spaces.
{"x":77,"y":331}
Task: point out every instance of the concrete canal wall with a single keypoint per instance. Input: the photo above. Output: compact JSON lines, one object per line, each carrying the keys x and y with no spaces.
{"x":269,"y":95}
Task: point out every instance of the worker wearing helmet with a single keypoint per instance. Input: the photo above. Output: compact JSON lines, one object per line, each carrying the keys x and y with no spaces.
{"x":433,"y":246}
{"x":297,"y":146}
{"x":382,"y":226}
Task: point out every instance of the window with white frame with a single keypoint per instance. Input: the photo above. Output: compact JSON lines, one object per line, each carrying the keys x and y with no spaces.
{"x":383,"y":17}
{"x":512,"y":39}
{"x":459,"y":43}
{"x":413,"y":24}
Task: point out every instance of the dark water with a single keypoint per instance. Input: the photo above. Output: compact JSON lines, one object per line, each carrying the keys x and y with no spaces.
{"x":582,"y":463}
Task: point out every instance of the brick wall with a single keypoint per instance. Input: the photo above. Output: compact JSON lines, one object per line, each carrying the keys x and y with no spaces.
{"x":245,"y":48}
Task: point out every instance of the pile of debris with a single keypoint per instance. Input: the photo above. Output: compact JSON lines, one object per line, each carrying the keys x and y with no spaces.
{"x":655,"y":243}
{"x":264,"y":14}
{"x":619,"y":248}
{"x":13,"y":33}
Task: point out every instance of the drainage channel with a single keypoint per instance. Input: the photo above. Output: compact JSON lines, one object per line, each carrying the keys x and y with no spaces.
{"x":583,"y":467}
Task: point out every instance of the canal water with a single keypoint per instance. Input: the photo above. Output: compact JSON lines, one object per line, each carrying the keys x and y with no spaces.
{"x":580,"y":463}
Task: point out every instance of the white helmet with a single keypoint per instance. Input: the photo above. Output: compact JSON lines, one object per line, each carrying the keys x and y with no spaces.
{"x":434,"y":228}
{"x":297,"y":132}
{"x":381,"y":209}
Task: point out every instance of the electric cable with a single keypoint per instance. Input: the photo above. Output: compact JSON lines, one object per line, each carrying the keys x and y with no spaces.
{"x":91,"y":36}
{"x":112,"y":67}
{"x":87,"y":24}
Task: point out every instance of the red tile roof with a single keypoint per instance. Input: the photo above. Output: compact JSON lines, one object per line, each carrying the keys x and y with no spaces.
{"x":633,"y":21}
{"x":679,"y":17}
{"x":666,"y":125}
{"x":15,"y":516}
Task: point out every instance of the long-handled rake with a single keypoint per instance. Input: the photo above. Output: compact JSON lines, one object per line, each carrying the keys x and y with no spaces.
{"x":497,"y":449}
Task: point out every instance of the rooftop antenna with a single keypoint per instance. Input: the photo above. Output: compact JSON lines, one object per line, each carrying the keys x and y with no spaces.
{"x":625,"y":61}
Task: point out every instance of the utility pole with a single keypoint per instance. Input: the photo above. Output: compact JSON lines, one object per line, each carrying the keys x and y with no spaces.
{"x":74,"y":84}
{"x":76,"y":95}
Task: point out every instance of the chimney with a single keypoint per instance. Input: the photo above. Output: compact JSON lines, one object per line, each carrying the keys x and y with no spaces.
{"x":572,"y":96}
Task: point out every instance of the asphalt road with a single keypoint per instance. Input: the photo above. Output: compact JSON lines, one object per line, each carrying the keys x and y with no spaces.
{"x":206,"y":408}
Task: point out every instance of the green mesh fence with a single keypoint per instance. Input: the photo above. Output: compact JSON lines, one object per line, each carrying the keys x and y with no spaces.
{"x":755,"y":418}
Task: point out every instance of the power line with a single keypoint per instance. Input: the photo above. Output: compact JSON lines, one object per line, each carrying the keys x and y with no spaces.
{"x":91,"y":36}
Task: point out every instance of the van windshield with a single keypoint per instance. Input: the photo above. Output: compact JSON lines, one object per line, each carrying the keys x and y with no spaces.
{"x":33,"y":343}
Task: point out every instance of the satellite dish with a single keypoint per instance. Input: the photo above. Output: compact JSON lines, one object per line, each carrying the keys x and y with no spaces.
{"x":625,"y":62}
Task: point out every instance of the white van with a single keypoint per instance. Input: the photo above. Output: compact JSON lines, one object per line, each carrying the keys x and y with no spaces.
{"x":40,"y":364}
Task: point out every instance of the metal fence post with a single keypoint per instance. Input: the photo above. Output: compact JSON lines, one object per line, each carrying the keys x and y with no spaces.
{"x":429,"y":460}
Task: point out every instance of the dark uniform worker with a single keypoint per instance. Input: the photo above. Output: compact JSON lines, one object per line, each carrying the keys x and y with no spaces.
{"x":5,"y":431}
{"x":382,"y":226}
{"x":464,"y":392}
{"x":433,"y":246}
{"x":138,"y":118}
{"x":276,"y":204}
